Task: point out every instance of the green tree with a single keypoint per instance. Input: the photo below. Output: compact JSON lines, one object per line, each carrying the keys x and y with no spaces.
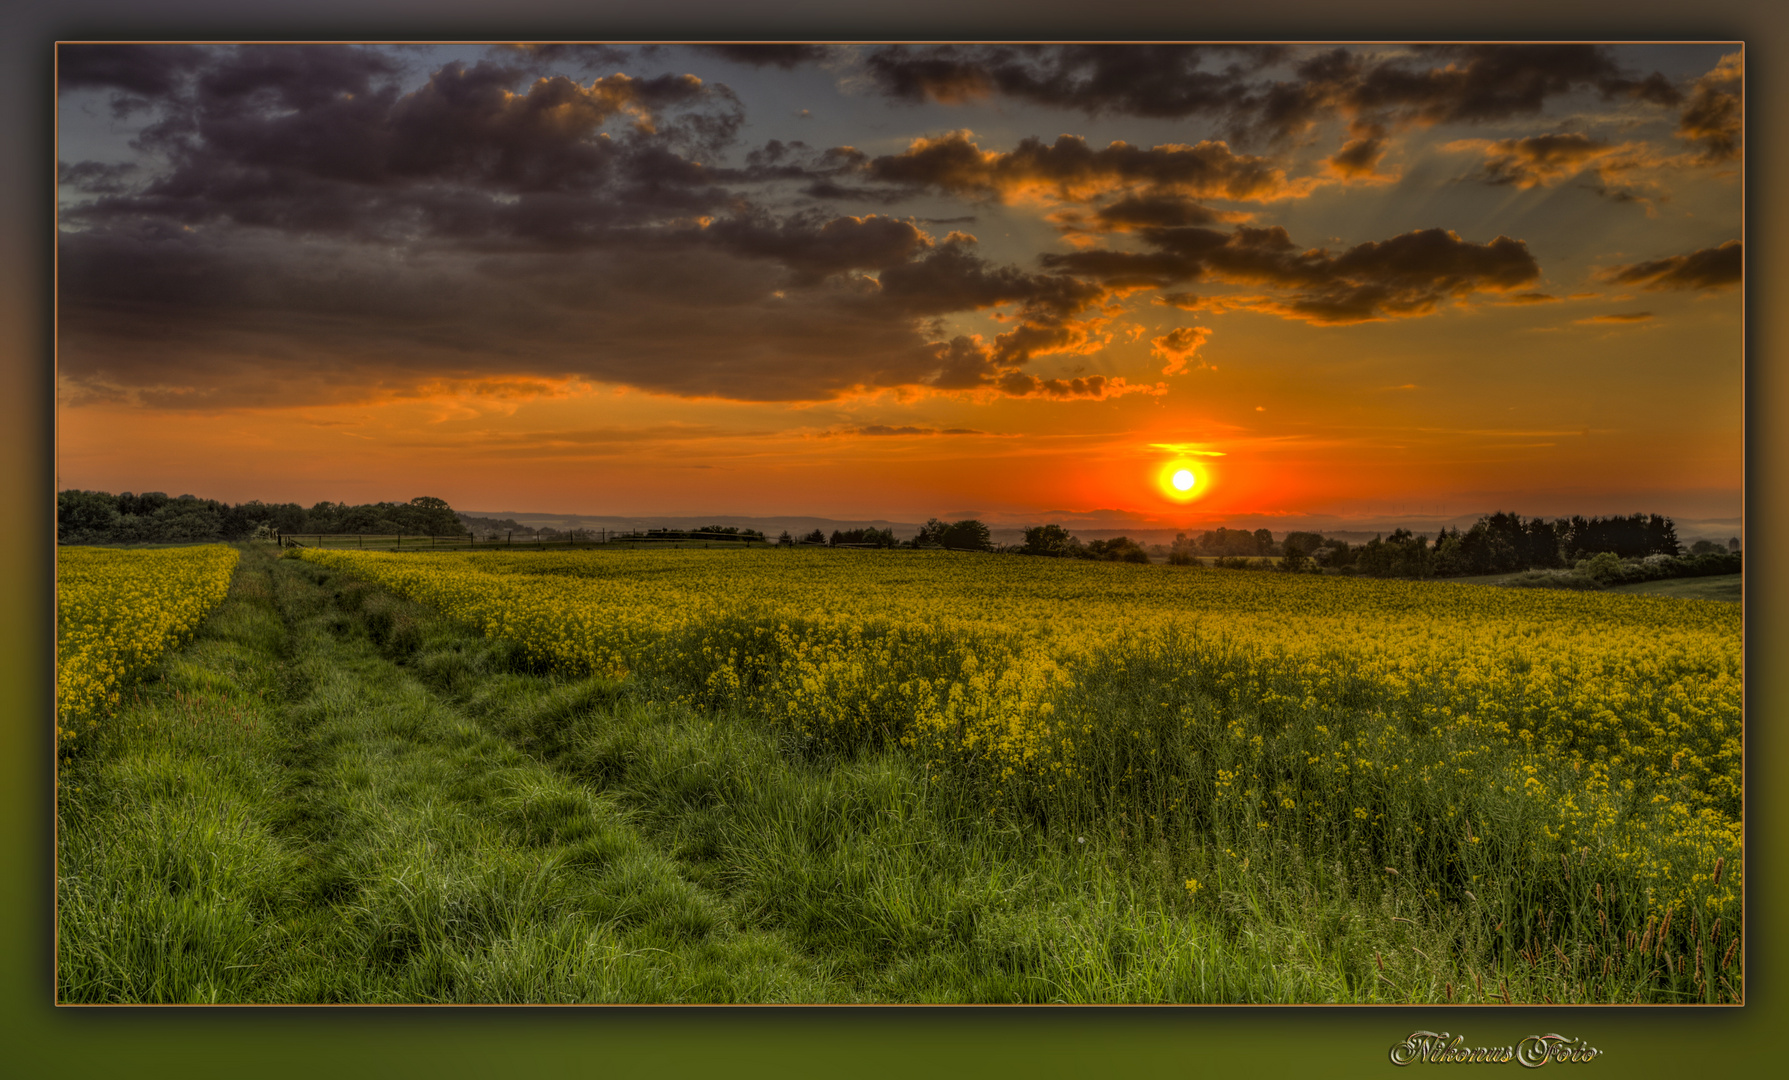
{"x":967,"y":535}
{"x":1118,"y":549}
{"x":1053,"y":540}
{"x":1293,"y":559}
{"x":86,"y":517}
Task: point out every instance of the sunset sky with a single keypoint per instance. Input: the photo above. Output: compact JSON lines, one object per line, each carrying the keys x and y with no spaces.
{"x":1340,"y":285}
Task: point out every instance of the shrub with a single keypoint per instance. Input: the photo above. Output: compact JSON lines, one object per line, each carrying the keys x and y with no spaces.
{"x":1604,"y":567}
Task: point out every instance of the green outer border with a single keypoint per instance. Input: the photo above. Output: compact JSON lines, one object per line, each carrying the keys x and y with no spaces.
{"x":40,"y":1040}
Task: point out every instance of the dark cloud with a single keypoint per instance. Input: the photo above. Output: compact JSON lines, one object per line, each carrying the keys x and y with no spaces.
{"x":782,"y":55}
{"x":314,"y":223}
{"x":94,"y":177}
{"x":1232,"y":85}
{"x":314,"y":140}
{"x":1168,"y":81}
{"x":1070,"y":170}
{"x":908,"y":429}
{"x":1709,"y":268}
{"x":244,"y":320}
{"x":970,"y":364}
{"x":951,"y":276}
{"x":1714,"y":119}
{"x":1617,"y":320}
{"x":1359,"y":157}
{"x":1542,"y":160}
{"x":1153,"y":211}
{"x":259,"y":79}
{"x":814,"y":249}
{"x":1404,"y":276}
{"x":147,"y":71}
{"x":310,"y":230}
{"x":585,"y":56}
{"x":1444,"y":84}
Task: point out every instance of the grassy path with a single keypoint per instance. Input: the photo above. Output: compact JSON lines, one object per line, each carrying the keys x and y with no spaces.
{"x":289,"y":816}
{"x":335,"y":796}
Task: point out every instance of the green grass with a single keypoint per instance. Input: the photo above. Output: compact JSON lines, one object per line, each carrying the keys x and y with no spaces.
{"x":1725,"y":587}
{"x":334,"y":795}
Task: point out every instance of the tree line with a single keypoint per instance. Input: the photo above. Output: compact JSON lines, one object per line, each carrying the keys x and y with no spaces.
{"x":1497,"y":543}
{"x":152,"y":517}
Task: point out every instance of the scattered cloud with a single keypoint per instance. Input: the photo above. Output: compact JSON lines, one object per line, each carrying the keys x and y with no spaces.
{"x":781,"y":55}
{"x":1714,"y":118}
{"x":1709,"y":268}
{"x":1239,"y":87}
{"x":1190,"y":449}
{"x":1177,"y":347}
{"x":1069,"y":170}
{"x":322,"y":224}
{"x":904,"y":430}
{"x":1627,"y":317}
{"x":1359,"y":157}
{"x":1548,"y":160}
{"x":1404,"y":276}
{"x":1167,"y":81}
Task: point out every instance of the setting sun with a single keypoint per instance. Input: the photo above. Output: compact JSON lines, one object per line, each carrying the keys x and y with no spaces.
{"x":1182,"y":480}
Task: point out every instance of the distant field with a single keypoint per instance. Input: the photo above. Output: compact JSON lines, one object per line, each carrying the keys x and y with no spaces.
{"x":1724,"y":587}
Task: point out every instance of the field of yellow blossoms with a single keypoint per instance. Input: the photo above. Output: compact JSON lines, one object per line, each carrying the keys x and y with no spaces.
{"x":1509,"y":741}
{"x":117,"y":612}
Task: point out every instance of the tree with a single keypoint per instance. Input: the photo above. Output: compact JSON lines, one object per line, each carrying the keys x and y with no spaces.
{"x":85,"y":517}
{"x":967,"y":535}
{"x":1053,"y":540}
{"x":1307,"y":542}
{"x":96,"y":517}
{"x":1118,"y":549}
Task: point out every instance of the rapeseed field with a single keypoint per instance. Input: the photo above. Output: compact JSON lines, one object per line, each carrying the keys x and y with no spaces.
{"x":117,"y":612}
{"x":1506,"y":749}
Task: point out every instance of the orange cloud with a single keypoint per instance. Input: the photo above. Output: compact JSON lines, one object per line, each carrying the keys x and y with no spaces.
{"x":1359,"y":157}
{"x":1539,"y":159}
{"x":1071,"y":171}
{"x":1714,"y":118}
{"x":1177,"y":347}
{"x":1628,"y":317}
